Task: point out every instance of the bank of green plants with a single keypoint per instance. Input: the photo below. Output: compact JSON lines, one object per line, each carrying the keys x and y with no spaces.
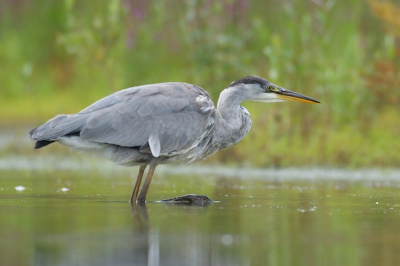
{"x":60,"y":56}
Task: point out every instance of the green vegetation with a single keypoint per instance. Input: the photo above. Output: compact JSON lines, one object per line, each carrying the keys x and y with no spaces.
{"x":60,"y":56}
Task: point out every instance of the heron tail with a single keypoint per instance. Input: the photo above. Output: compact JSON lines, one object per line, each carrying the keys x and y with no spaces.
{"x":57,"y":127}
{"x":42,"y":143}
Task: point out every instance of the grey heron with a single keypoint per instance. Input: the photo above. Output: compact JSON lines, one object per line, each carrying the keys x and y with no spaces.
{"x":161,"y":123}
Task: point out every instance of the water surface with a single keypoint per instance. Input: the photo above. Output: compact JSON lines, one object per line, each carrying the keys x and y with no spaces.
{"x":56,"y":215}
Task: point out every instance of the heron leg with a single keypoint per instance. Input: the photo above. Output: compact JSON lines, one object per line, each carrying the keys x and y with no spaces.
{"x":146,"y":185}
{"x":135,"y":191}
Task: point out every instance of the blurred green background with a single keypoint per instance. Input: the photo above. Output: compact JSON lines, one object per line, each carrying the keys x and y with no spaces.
{"x":60,"y":56}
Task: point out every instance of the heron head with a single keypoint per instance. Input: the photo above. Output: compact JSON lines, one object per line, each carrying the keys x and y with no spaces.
{"x":259,"y":89}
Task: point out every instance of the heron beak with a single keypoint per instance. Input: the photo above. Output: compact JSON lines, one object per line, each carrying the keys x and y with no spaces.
{"x":285,"y":94}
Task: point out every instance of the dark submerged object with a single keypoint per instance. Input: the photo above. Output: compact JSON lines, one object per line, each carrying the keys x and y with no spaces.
{"x":191,"y":199}
{"x":161,"y":123}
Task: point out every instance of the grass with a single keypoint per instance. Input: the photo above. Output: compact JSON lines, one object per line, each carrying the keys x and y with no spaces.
{"x":67,"y":54}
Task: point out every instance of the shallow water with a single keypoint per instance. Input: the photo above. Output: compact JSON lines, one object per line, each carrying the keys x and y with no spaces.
{"x":52,"y":215}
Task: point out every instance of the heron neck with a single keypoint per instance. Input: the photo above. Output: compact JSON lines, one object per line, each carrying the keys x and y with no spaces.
{"x":228,"y":102}
{"x":234,"y":121}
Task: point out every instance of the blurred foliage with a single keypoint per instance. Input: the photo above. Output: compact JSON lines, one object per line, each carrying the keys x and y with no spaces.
{"x":60,"y":56}
{"x":389,"y":13}
{"x":385,"y":78}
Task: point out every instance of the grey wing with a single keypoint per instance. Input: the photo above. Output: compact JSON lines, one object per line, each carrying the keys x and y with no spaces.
{"x":63,"y":125}
{"x":163,"y":119}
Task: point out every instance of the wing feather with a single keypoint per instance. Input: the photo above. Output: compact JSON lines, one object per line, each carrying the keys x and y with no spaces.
{"x":168,"y":111}
{"x":160,"y":118}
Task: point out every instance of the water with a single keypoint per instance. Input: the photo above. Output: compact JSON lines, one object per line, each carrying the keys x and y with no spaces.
{"x":76,"y":213}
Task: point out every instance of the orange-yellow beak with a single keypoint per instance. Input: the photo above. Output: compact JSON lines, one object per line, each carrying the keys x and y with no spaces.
{"x":285,"y":94}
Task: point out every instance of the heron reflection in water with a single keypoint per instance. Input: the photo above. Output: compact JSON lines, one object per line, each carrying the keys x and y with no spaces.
{"x":161,"y":123}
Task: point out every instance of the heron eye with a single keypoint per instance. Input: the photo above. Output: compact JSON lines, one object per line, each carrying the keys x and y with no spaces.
{"x":272,"y":88}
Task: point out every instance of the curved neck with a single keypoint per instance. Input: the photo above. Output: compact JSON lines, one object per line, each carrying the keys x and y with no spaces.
{"x":234,"y":120}
{"x":228,"y":101}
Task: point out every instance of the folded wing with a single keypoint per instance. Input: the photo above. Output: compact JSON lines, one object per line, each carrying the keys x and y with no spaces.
{"x":163,"y":119}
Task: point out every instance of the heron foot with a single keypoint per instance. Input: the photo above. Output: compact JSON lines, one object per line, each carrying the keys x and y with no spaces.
{"x":190,"y":198}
